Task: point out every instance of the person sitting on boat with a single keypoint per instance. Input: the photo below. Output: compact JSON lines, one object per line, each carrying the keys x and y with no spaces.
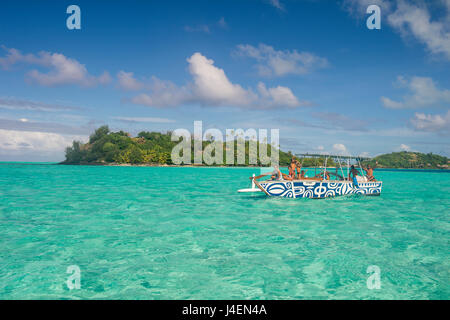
{"x":287,"y":177}
{"x":322,"y":176}
{"x":276,"y":174}
{"x":369,"y":172}
{"x":317,"y":177}
{"x":302,"y":174}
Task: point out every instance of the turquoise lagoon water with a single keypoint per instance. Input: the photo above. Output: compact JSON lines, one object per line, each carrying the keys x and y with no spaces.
{"x":184,"y":233}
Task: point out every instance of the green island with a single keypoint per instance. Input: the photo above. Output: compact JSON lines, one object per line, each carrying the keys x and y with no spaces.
{"x":410,"y":160}
{"x":147,"y":148}
{"x":154,"y":148}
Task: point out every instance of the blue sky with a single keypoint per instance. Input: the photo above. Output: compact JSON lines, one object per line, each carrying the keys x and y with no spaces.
{"x":309,"y":68}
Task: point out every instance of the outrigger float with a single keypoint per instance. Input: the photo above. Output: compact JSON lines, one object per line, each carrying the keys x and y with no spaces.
{"x":325,"y":184}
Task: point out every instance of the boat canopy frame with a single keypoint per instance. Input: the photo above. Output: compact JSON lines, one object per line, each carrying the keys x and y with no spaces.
{"x":331,"y":156}
{"x":337,"y":158}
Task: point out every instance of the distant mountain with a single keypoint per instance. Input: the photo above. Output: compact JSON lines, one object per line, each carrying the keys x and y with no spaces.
{"x":406,"y":159}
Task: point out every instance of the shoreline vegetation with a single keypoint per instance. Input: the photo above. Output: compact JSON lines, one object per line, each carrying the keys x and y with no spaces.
{"x":153,"y":149}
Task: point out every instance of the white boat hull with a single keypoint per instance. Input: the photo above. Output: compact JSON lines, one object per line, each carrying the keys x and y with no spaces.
{"x":318,"y":189}
{"x":249,"y":190}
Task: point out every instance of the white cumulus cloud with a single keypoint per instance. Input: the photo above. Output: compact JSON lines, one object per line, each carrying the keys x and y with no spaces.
{"x":162,"y":94}
{"x":340,"y":149}
{"x":432,"y":122}
{"x":423,"y":92}
{"x":412,"y":19}
{"x":278,"y":96}
{"x":128,"y":82}
{"x":60,"y":69}
{"x":35,"y":145}
{"x":271,"y":62}
{"x":209,"y":86}
{"x":212,"y":86}
{"x":404,"y":147}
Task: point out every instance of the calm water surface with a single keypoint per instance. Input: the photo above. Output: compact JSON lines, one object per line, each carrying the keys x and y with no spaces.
{"x":184,"y":233}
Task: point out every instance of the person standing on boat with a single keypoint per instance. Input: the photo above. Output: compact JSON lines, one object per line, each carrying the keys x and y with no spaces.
{"x":353,"y":174}
{"x":292,"y":167}
{"x":298,"y":168}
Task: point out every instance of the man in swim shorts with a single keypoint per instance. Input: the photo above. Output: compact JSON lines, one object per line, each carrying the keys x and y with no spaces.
{"x":298,"y":168}
{"x":369,"y":172}
{"x":292,"y":167}
{"x":353,"y":174}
